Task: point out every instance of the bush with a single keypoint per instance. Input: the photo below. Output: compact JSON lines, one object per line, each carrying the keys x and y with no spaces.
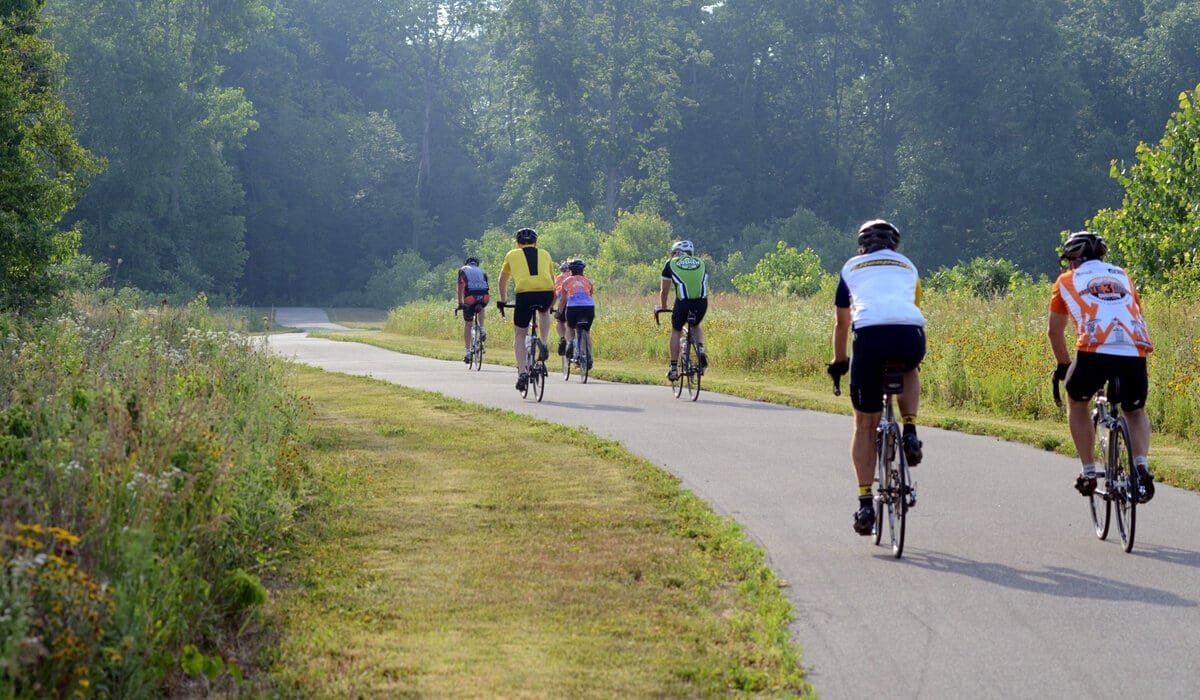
{"x":982,"y":277}
{"x":786,"y":271}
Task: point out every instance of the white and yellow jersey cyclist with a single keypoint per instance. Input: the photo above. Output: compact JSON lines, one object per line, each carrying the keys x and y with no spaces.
{"x":878,"y":298}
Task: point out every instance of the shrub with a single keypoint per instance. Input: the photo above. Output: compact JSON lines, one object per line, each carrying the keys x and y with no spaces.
{"x":786,"y":271}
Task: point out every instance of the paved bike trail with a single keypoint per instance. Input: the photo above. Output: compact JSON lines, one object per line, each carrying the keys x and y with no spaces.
{"x":1003,"y":591}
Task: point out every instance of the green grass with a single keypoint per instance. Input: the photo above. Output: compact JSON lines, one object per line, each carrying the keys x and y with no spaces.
{"x":548,"y":564}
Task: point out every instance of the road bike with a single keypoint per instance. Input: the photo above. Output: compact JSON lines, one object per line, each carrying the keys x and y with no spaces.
{"x":1117,"y":490}
{"x":691,"y":369}
{"x":476,"y":349}
{"x":535,"y":362}
{"x":579,"y":355}
{"x":895,"y":492}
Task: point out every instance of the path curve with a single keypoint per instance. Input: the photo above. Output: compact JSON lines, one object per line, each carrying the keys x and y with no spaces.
{"x":1003,"y":591}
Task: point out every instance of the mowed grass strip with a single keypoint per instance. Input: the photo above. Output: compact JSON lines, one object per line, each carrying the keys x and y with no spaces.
{"x":456,"y":550}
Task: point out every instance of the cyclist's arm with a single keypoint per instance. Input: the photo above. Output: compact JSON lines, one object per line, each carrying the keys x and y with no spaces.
{"x":1058,"y":340}
{"x":503,"y":283}
{"x":841,"y":334}
{"x":663,"y":289}
{"x":462,"y":281}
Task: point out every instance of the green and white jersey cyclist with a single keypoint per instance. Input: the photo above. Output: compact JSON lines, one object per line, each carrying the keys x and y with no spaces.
{"x":688,"y":275}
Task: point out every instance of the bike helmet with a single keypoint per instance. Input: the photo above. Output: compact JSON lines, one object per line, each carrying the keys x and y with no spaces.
{"x":877,"y":234}
{"x":1082,"y":246}
{"x":471,"y":260}
{"x":684,"y":247}
{"x":564,"y":266}
{"x":526,"y":235}
{"x":577,"y":266}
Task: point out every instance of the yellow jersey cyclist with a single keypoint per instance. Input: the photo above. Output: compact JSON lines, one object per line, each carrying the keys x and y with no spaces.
{"x":560,"y":324}
{"x":688,"y":275}
{"x":878,"y":298}
{"x":1112,"y":341}
{"x":532,"y":271}
{"x":577,"y":302}
{"x":473,"y":299}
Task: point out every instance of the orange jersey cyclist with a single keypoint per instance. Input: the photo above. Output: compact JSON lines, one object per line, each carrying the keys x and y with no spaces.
{"x":560,"y":323}
{"x":878,"y":298}
{"x":1111,"y":341}
{"x":532,"y":271}
{"x":577,"y":301}
{"x":689,"y":276}
{"x":473,"y":298}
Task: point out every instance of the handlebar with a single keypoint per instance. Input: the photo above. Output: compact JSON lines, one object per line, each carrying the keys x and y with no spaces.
{"x":658,"y":311}
{"x":502,"y":306}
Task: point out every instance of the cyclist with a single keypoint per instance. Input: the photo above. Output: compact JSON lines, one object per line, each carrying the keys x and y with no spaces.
{"x":878,"y":298}
{"x":472,"y":299}
{"x":560,"y":325}
{"x":576,"y":301}
{"x":689,"y":276}
{"x":1112,"y":341}
{"x":532,"y":270}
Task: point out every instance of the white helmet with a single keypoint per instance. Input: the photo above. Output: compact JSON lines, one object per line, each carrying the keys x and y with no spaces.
{"x":684,"y":247}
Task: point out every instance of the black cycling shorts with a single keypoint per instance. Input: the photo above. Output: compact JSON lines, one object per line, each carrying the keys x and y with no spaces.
{"x":875,"y":346}
{"x":1091,"y":370}
{"x":474,"y":302}
{"x":523,"y":306}
{"x":679,"y":313}
{"x":580,"y":315}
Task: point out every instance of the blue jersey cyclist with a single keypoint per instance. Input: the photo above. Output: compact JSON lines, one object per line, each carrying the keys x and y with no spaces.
{"x":878,"y":298}
{"x":689,"y":277}
{"x":473,"y":299}
{"x":532,"y":271}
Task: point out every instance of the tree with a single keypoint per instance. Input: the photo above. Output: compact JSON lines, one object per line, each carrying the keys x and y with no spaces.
{"x":786,"y":271}
{"x":42,"y":168}
{"x":1156,"y":230}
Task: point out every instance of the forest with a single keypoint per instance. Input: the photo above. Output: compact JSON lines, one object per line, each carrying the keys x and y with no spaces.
{"x":302,"y":151}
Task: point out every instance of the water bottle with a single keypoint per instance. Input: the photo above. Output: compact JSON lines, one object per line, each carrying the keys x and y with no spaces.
{"x":528,"y":344}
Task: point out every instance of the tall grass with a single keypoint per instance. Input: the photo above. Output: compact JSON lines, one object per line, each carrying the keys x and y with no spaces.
{"x":147,"y":471}
{"x":989,"y":355}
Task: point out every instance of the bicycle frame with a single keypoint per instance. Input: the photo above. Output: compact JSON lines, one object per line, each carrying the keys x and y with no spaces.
{"x":689,"y":372}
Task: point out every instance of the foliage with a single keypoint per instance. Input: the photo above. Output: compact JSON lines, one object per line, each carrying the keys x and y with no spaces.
{"x":396,"y":283}
{"x":1157,"y":228}
{"x":981,"y":277}
{"x":148,"y":471}
{"x":42,"y":168}
{"x":632,"y":256}
{"x":786,"y":271}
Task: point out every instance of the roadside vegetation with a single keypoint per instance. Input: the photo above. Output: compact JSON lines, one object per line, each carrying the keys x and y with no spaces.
{"x":149,"y":472}
{"x":550,"y":562}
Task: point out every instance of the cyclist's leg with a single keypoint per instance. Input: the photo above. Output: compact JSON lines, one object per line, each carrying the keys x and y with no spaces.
{"x":1134,"y":387}
{"x":910,"y":349}
{"x":699,"y":307}
{"x":1084,"y":378}
{"x":866,"y":396}
{"x":544,"y":323}
{"x":569,"y":322}
{"x":522,"y":316}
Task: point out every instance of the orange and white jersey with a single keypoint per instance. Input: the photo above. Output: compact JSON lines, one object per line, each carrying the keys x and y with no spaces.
{"x":578,"y":291}
{"x":559,"y":280}
{"x":1107,"y":311}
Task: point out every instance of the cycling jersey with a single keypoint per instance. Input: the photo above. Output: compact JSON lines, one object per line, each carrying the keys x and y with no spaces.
{"x":1105,"y":307}
{"x":880,"y":288}
{"x":559,"y":280}
{"x":472,"y":278}
{"x":689,"y":275}
{"x":578,"y":291}
{"x":531,"y":268}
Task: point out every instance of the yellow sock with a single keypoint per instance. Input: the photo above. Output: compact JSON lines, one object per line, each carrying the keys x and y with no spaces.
{"x":864,"y":490}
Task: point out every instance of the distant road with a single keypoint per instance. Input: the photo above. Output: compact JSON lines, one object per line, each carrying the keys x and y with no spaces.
{"x":305,"y":319}
{"x":1003,"y":591}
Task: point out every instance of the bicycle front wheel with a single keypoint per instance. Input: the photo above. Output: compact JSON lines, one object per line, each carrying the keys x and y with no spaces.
{"x":566,"y":368}
{"x":1100,"y":502}
{"x":583,"y":353}
{"x":693,"y":373}
{"x":477,"y":349}
{"x":881,"y":484}
{"x":1125,"y":494}
{"x":900,"y":479}
{"x":677,"y":383}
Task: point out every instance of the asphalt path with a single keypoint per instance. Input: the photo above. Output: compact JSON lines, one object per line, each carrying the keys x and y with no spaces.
{"x":1003,"y":591}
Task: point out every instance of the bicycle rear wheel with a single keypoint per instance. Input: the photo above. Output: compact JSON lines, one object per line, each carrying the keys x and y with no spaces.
{"x":537,"y":379}
{"x":477,"y":348}
{"x":900,"y":479}
{"x":1100,"y":502}
{"x":677,"y":383}
{"x":881,"y":485}
{"x":1125,"y":492}
{"x":583,"y":353}
{"x":693,"y":373}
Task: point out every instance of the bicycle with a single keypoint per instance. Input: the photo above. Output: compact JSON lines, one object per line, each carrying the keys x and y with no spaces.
{"x":475,"y":350}
{"x":895,"y":491}
{"x":580,"y":356}
{"x":1119,"y":489}
{"x":690,"y":370}
{"x":535,"y":365}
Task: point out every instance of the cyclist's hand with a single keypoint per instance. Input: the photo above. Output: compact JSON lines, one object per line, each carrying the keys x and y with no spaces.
{"x":500,"y":304}
{"x":1060,"y":372}
{"x":838,"y":369}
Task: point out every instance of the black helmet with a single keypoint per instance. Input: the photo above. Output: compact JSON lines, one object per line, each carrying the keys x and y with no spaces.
{"x":877,"y":234}
{"x":471,"y":260}
{"x":1082,"y":246}
{"x":577,"y":266}
{"x":526,"y":235}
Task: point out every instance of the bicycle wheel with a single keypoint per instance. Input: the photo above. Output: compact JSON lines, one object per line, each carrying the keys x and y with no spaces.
{"x":537,"y":379}
{"x":477,"y":349}
{"x":566,"y":368}
{"x":882,"y":482}
{"x":900,"y":508}
{"x":583,"y":353}
{"x":693,"y":373}
{"x":1100,"y":502}
{"x":1125,"y":491}
{"x":677,"y":383}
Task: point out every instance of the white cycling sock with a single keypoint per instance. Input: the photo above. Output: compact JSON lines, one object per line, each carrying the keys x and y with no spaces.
{"x":1089,"y":470}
